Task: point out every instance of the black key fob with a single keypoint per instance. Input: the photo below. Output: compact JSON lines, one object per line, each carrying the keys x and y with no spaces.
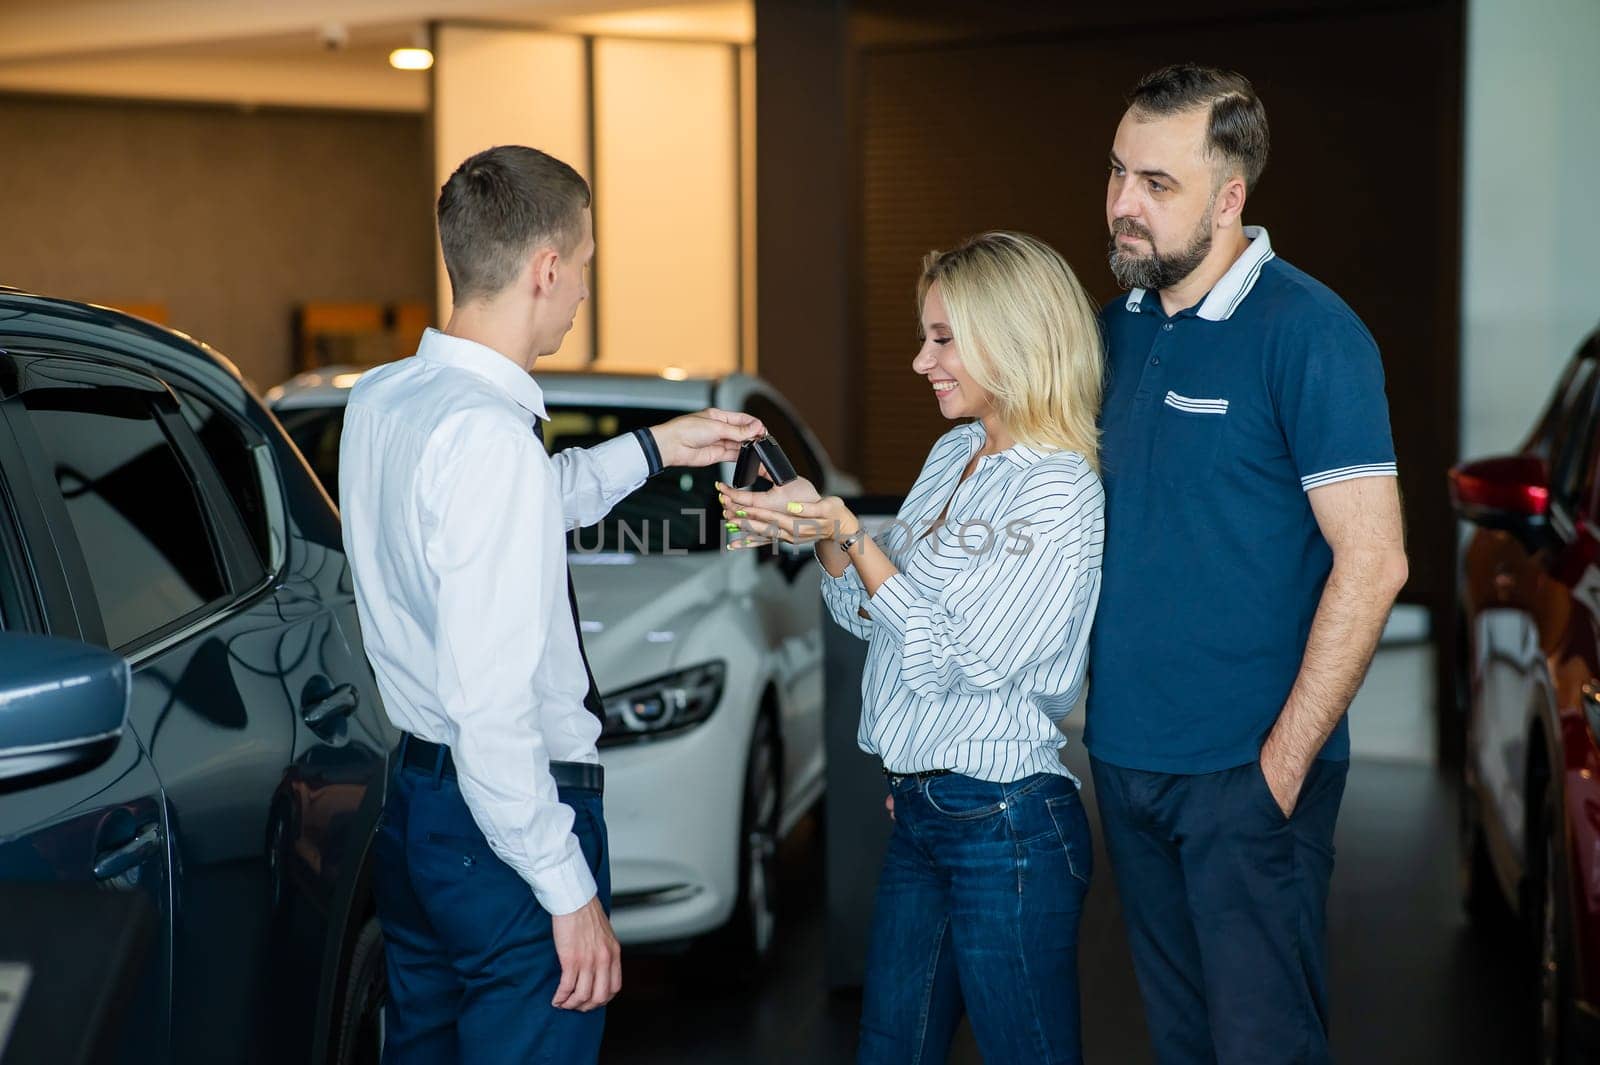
{"x":758,"y":453}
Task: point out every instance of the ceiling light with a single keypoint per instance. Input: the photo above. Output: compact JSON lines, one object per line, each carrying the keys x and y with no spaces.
{"x":675,"y":373}
{"x":411,"y":59}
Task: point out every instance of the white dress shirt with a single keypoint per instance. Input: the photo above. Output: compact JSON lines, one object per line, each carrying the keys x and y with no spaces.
{"x":454,"y":523}
{"x":976,"y":652}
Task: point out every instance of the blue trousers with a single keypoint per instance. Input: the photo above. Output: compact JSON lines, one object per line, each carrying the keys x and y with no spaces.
{"x":977,"y":911}
{"x":471,"y":962}
{"x":1225,"y":902}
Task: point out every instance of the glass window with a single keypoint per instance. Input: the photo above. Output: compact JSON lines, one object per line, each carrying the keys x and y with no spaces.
{"x":673,"y":511}
{"x":11,"y":592}
{"x":315,"y":431}
{"x":676,"y":510}
{"x":1572,"y":435}
{"x":1557,"y":414}
{"x":233,"y":454}
{"x":785,"y":432}
{"x":133,"y":506}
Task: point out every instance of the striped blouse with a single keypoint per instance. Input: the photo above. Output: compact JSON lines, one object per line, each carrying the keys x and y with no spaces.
{"x":977,"y":648}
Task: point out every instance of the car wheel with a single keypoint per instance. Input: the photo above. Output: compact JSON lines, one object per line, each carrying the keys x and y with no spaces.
{"x":1485,"y":905}
{"x":748,"y":937}
{"x":362,"y":1005}
{"x":1552,"y":947}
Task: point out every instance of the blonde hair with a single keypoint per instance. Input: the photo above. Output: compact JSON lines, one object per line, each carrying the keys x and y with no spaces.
{"x":1029,"y":335}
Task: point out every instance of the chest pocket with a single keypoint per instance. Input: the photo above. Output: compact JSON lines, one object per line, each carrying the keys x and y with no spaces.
{"x":1190,"y":432}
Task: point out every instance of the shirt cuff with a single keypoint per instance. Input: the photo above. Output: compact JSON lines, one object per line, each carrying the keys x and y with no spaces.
{"x":652,"y":454}
{"x":566,"y":886}
{"x":891,"y":604}
{"x":622,"y":464}
{"x":1347,"y":473}
{"x":848,"y":581}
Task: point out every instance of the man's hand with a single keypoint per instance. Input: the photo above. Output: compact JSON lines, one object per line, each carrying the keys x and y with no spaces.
{"x":1283,"y":780}
{"x":1361,"y":521}
{"x":591,"y":960}
{"x":705,"y":438}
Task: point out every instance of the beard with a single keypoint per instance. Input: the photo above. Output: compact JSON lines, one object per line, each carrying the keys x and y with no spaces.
{"x":1157,"y":270}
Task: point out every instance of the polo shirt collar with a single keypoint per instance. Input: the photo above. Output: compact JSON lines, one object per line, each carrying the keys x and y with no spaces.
{"x":1226,"y":295}
{"x":487,"y":363}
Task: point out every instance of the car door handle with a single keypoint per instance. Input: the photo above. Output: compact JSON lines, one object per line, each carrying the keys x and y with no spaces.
{"x":114,"y":863}
{"x":320,"y":710}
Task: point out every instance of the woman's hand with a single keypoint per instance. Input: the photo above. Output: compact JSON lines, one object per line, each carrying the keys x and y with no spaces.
{"x":794,"y":513}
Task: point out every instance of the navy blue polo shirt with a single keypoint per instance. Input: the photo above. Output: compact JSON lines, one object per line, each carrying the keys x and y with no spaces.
{"x":1217,"y":422}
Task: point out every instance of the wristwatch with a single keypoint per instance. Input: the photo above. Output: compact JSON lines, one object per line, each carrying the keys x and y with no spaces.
{"x":854,"y":538}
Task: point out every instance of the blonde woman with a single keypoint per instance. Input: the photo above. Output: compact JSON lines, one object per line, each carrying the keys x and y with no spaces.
{"x":976,"y":604}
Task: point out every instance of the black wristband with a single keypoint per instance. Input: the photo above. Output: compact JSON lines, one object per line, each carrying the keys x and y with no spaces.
{"x":652,"y":454}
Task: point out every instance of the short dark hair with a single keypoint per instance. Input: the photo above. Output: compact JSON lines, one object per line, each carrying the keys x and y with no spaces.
{"x":1238,"y":129}
{"x":498,"y":206}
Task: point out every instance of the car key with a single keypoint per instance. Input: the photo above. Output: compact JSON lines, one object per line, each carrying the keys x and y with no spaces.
{"x":757,"y":453}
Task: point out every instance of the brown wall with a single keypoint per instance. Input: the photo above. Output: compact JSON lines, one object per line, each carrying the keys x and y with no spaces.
{"x":1362,"y":192}
{"x":806,"y":246}
{"x":227,"y":217}
{"x":953,"y":117}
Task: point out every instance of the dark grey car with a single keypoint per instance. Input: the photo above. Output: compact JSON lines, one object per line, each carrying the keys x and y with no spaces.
{"x":151,"y":507}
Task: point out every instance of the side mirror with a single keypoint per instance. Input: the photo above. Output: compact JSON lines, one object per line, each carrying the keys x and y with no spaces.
{"x":63,"y":705}
{"x":1511,"y":493}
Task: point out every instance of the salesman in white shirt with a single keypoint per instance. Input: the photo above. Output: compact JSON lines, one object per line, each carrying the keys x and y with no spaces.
{"x":492,"y":875}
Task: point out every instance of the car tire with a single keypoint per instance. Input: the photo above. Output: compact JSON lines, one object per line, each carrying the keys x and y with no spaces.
{"x":747,"y":939}
{"x":1550,"y":927}
{"x":363,"y":1000}
{"x":1485,"y":904}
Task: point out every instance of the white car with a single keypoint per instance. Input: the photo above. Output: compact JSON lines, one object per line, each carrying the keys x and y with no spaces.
{"x":710,"y":661}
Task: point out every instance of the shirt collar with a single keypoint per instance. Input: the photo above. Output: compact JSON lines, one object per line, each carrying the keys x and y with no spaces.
{"x":1226,"y":295}
{"x":488,"y":364}
{"x":1019,"y":455}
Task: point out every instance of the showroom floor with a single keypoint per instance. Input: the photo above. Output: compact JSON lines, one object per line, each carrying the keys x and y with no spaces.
{"x":1412,"y":984}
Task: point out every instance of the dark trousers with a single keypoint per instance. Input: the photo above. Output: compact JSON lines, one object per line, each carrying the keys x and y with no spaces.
{"x":471,"y":962}
{"x":977,"y":912}
{"x":1225,"y":902}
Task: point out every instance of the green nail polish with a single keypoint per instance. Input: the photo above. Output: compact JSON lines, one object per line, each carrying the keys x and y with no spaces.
{"x":741,"y":513}
{"x":733,"y":526}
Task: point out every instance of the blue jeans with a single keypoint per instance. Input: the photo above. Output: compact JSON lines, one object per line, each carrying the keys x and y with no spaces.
{"x":1225,"y":902}
{"x":471,"y":959}
{"x":977,"y":911}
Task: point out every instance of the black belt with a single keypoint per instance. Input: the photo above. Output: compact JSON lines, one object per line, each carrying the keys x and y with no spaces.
{"x":418,"y":753}
{"x":926,"y":774}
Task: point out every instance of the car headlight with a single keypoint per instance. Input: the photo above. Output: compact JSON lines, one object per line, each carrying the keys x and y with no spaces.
{"x":664,"y":705}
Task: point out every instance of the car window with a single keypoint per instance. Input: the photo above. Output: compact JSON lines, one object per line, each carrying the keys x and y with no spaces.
{"x":672,"y":512}
{"x":1557,"y":414}
{"x":1572,"y":435}
{"x":8,"y":596}
{"x":133,"y":507}
{"x":234,"y":456}
{"x":315,"y":431}
{"x":787,"y":434}
{"x":11,"y":588}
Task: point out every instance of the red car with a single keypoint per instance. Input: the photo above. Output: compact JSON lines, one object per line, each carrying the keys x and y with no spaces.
{"x":1530,"y":655}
